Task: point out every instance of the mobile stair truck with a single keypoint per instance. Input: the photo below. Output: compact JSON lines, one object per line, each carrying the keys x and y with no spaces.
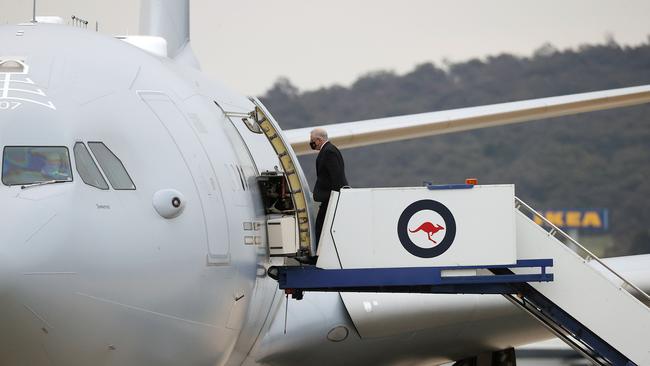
{"x":477,"y":239}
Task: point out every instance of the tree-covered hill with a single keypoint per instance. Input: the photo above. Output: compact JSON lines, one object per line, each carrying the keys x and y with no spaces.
{"x":599,"y":159}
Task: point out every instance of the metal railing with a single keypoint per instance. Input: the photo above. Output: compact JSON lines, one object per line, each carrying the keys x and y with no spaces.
{"x":581,"y":251}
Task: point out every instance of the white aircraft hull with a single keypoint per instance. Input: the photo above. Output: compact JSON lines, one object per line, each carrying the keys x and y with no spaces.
{"x":90,"y":276}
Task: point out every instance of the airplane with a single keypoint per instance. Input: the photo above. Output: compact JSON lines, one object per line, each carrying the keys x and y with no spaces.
{"x":136,"y":195}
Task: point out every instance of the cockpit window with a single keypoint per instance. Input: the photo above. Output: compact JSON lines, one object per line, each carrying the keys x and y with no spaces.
{"x":23,"y":165}
{"x":112,"y":166}
{"x":87,"y":168}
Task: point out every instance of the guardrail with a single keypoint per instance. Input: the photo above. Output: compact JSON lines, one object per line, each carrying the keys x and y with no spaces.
{"x":583,"y":252}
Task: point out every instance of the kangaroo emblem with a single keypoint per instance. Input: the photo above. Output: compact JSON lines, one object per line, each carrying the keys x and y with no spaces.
{"x":430,"y":229}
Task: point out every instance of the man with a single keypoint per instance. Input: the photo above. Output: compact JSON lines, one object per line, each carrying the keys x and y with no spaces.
{"x":330,"y":173}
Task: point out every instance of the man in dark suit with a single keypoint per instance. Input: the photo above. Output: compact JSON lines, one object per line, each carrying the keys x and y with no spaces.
{"x":330,"y":173}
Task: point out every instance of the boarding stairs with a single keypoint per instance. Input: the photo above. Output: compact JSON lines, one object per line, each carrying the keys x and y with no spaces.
{"x":594,"y":309}
{"x":583,"y":301}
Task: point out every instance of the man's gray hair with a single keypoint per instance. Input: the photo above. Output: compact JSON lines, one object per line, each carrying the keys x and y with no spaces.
{"x":320,"y":133}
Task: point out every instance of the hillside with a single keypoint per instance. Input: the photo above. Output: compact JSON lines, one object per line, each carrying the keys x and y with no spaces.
{"x":599,"y":159}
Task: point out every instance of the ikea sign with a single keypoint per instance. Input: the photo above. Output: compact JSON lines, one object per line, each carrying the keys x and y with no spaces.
{"x":583,"y":219}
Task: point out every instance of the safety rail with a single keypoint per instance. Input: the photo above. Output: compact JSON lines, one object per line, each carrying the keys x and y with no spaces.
{"x":487,"y":279}
{"x":581,"y":251}
{"x":566,"y":328}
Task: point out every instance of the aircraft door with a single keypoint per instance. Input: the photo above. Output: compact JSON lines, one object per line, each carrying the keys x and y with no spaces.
{"x":256,"y":144}
{"x":201,"y":169}
{"x":246,"y":169}
{"x":275,"y":160}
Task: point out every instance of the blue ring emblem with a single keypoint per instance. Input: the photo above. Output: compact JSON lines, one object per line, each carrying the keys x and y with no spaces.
{"x":403,"y":229}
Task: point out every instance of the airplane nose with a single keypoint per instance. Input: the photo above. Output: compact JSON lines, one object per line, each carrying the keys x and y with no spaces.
{"x":7,"y":256}
{"x":32,"y":230}
{"x":26,"y":221}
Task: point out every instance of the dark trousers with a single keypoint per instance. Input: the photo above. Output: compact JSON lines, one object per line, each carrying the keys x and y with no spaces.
{"x":320,"y":218}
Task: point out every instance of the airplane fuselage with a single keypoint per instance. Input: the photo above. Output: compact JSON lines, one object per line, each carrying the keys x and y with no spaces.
{"x":101,"y":266}
{"x":99,"y":276}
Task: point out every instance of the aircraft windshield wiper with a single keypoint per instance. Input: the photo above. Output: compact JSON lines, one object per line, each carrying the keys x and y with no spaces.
{"x":36,"y":184}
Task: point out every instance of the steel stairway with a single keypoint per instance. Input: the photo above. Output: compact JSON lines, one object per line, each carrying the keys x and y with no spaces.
{"x":607,"y":322}
{"x":584,"y":302}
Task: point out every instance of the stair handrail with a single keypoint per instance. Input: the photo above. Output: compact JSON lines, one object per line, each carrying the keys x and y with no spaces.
{"x":590,"y":256}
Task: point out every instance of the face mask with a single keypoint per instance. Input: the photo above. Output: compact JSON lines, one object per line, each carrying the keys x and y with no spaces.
{"x":312,"y":144}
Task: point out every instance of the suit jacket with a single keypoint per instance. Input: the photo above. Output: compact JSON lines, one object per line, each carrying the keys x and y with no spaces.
{"x":330,"y":172}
